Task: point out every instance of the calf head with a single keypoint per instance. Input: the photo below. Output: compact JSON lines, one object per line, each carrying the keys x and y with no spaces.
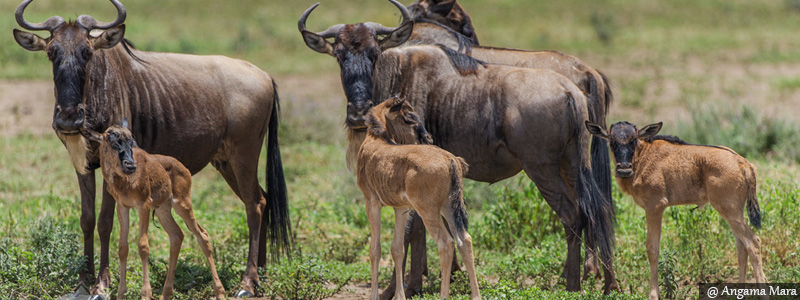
{"x":69,"y":48}
{"x":356,"y":47}
{"x":623,"y":137}
{"x":445,"y":12}
{"x":118,"y":139}
{"x":395,"y":121}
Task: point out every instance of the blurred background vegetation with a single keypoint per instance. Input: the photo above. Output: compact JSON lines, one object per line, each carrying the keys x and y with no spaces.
{"x":715,"y":71}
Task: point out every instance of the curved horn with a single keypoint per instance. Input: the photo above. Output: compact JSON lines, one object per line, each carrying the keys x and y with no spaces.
{"x":49,"y":24}
{"x":328,"y":33}
{"x":381,"y":29}
{"x":90,"y":22}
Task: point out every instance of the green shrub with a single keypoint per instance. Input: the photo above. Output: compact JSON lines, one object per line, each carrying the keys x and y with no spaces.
{"x":304,"y":277}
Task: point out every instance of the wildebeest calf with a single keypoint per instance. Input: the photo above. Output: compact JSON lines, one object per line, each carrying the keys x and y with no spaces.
{"x":663,"y":171}
{"x":425,"y":178}
{"x":148,"y":181}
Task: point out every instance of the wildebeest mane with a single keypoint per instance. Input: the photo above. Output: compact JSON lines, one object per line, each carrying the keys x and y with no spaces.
{"x":675,"y":140}
{"x":465,"y":64}
{"x":464,"y":42}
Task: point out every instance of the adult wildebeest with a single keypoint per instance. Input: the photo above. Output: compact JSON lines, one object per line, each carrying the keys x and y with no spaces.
{"x":662,"y":171}
{"x":146,"y":181}
{"x":500,"y":119}
{"x":408,"y":176}
{"x":198,"y":109}
{"x":445,"y":22}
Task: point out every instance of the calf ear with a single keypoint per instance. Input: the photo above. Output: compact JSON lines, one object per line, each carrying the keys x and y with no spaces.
{"x":317,"y":42}
{"x":596,"y":130}
{"x":650,"y":130}
{"x":442,"y":7}
{"x":109,"y":38}
{"x":398,"y":36}
{"x":29,"y":41}
{"x":90,"y":134}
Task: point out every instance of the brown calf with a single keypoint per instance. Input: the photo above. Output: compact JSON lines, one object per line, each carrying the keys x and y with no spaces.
{"x":421,"y":177}
{"x":148,"y":181}
{"x":663,"y":171}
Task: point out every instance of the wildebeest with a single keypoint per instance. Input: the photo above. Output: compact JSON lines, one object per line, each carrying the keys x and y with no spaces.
{"x":198,"y":109}
{"x":500,"y":119}
{"x":446,"y":22}
{"x":137,"y":179}
{"x":424,"y":178}
{"x":662,"y":171}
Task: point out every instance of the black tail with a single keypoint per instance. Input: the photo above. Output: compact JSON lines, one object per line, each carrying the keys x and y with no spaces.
{"x":460,"y":217}
{"x":276,"y":213}
{"x":598,"y":110}
{"x":753,"y":209}
{"x":593,"y":205}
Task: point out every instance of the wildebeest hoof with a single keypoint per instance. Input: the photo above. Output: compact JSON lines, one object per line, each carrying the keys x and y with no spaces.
{"x":244,"y":294}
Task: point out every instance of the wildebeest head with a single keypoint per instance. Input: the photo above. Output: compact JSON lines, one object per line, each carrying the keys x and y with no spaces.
{"x":120,"y":139}
{"x":69,"y":48}
{"x":356,"y":47}
{"x":623,"y":138}
{"x":445,"y":12}
{"x":396,"y":121}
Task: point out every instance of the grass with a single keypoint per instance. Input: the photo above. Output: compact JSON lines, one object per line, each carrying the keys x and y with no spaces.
{"x":668,"y":59}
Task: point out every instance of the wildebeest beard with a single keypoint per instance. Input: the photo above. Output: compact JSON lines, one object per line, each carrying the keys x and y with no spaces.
{"x":356,"y":71}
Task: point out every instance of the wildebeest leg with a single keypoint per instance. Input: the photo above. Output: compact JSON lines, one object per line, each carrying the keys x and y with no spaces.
{"x":175,"y":240}
{"x":741,"y":252}
{"x":751,"y":243}
{"x":183,"y":207}
{"x":653,"y":241}
{"x":590,"y":264}
{"x":610,"y":281}
{"x":398,"y":248}
{"x":144,"y":252}
{"x":124,"y":228}
{"x":464,"y":245}
{"x":105,"y":226}
{"x":374,"y":217}
{"x":419,"y":259}
{"x":87,"y":186}
{"x":554,"y":189}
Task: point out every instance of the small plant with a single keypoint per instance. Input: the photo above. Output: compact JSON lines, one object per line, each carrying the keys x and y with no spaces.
{"x":666,"y":267}
{"x":302,"y":278}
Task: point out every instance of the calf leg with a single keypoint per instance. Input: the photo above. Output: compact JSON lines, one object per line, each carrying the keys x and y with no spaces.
{"x":464,"y":244}
{"x":183,"y":207}
{"x":124,"y":226}
{"x":175,"y":240}
{"x":433,"y":222}
{"x":144,"y":252}
{"x":741,"y":252}
{"x":751,"y":243}
{"x":374,"y":218}
{"x":652,"y":243}
{"x":415,"y":237}
{"x":398,"y":249}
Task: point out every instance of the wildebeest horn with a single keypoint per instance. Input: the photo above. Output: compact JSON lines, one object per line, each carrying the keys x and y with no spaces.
{"x":90,"y":23}
{"x":380,"y":29}
{"x":48,"y":24}
{"x":328,"y":33}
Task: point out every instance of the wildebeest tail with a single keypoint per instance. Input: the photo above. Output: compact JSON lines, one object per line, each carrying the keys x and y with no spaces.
{"x":753,"y":209}
{"x":598,"y":110}
{"x":597,"y":210}
{"x":458,"y":167}
{"x":276,"y":213}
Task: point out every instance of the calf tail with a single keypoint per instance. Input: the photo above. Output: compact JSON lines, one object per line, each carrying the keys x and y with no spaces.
{"x":594,"y":206}
{"x":753,"y":209}
{"x":276,"y":213}
{"x":460,"y":218}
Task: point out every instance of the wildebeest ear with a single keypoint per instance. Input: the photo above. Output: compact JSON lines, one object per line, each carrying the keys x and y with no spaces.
{"x":596,"y":130}
{"x":90,"y":134}
{"x":317,"y":42}
{"x":29,"y":41}
{"x":442,"y":7}
{"x":397,"y":104}
{"x":398,"y":36}
{"x":109,"y":38}
{"x":650,"y":130}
